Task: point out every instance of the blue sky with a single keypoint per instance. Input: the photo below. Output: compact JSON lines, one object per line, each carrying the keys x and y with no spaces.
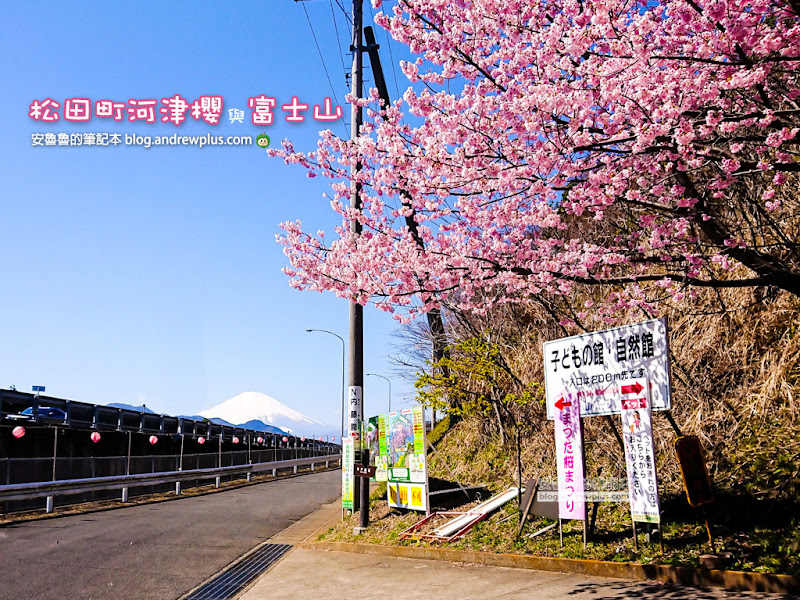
{"x":152,"y":275}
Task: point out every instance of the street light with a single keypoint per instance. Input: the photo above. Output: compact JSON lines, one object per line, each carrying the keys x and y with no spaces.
{"x":343,"y":367}
{"x":390,"y":387}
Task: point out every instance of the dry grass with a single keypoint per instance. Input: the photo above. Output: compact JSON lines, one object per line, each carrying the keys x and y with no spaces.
{"x":735,"y":360}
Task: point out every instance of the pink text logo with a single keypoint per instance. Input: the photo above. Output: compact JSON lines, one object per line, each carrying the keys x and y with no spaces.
{"x":177,"y":109}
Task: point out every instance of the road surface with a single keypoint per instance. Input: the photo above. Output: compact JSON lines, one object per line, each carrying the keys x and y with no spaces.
{"x":152,"y":551}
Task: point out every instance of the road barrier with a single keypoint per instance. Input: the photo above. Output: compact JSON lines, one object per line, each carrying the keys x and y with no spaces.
{"x":51,"y":489}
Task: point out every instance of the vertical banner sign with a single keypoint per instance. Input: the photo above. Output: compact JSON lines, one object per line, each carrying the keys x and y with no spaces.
{"x":637,"y":431}
{"x":418,"y":457}
{"x":401,"y":444}
{"x":569,"y":457}
{"x":355,"y":396}
{"x":371,"y":438}
{"x":382,"y":460}
{"x":373,"y":442}
{"x":348,"y":475}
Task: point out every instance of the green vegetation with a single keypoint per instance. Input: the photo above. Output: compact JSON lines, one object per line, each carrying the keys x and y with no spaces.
{"x":735,"y":360}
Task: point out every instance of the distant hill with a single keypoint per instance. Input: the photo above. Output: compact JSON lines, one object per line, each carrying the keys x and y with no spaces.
{"x":129,"y":407}
{"x":215,"y":421}
{"x":257,"y":425}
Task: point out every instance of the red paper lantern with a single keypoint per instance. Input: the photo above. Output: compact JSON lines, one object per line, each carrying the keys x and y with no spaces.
{"x":18,"y":431}
{"x":153,"y":439}
{"x":285,"y":439}
{"x":201,"y":440}
{"x":259,"y":439}
{"x":95,"y":437}
{"x":303,"y":439}
{"x":235,"y":440}
{"x":333,"y":439}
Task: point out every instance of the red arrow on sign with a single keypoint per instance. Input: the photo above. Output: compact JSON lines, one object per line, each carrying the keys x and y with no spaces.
{"x":631,"y":389}
{"x":561,"y":404}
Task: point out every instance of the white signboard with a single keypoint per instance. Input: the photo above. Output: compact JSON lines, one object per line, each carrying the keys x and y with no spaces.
{"x":569,"y":457}
{"x":355,"y":397}
{"x":637,"y":431}
{"x":597,"y":367}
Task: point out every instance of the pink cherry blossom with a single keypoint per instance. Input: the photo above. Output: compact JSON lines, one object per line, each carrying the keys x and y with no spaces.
{"x":548,"y":145}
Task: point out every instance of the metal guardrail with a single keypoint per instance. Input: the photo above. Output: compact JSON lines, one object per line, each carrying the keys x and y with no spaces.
{"x":49,"y":489}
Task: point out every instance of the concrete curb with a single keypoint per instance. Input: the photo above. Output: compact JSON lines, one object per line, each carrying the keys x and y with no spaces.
{"x":731,"y":580}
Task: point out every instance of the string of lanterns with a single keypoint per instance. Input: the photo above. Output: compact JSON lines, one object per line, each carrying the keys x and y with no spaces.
{"x":19,"y":432}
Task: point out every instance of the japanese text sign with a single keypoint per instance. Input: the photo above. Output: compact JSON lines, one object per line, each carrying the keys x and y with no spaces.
{"x":569,"y":457}
{"x":355,"y":397}
{"x":597,"y":366}
{"x":348,"y":474}
{"x":637,"y":432}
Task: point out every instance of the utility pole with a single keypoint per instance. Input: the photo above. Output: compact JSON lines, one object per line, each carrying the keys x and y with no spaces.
{"x":356,"y":371}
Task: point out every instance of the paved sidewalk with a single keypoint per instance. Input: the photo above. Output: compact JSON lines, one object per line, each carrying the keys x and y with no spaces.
{"x":307,"y":573}
{"x":311,"y":526}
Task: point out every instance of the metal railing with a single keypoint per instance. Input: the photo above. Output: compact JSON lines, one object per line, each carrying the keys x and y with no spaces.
{"x":32,"y":469}
{"x":51,"y":489}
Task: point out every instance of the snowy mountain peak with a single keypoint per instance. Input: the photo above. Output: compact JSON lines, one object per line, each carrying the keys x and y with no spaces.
{"x":250,"y":406}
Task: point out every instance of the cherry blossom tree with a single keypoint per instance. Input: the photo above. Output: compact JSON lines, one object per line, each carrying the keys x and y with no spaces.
{"x":647,"y":146}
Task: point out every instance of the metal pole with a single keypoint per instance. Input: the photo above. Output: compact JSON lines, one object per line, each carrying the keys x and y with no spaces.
{"x":219,"y":458}
{"x":389,"y":381}
{"x":356,"y":321}
{"x":342,"y":415}
{"x":249,"y":460}
{"x":127,"y":467}
{"x":55,"y":450}
{"x":50,"y":499}
{"x":180,"y":467}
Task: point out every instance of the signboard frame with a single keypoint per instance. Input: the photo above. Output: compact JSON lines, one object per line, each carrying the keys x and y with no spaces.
{"x":590,"y":365}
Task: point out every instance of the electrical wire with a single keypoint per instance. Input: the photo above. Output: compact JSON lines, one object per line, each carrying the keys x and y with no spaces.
{"x":338,"y":39}
{"x":344,"y":12}
{"x":391,"y":55}
{"x":391,"y":60}
{"x":322,"y":59}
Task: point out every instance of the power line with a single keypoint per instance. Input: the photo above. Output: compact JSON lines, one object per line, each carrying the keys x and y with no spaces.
{"x":322,"y":60}
{"x":344,"y":12}
{"x":338,"y":39}
{"x":391,"y":60}
{"x":391,"y":54}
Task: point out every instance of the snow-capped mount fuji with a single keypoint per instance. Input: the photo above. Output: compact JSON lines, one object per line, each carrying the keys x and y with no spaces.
{"x":256,"y":406}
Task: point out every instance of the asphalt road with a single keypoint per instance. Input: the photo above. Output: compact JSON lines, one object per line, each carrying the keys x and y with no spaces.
{"x":156,"y":551}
